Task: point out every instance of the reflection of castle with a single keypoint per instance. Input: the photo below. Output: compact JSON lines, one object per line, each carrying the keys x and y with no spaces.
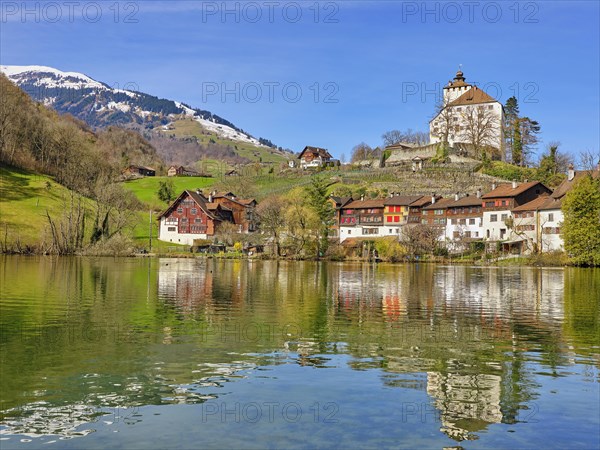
{"x":467,"y":402}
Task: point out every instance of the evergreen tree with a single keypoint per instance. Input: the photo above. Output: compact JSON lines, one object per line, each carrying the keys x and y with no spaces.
{"x":517,"y":144}
{"x":511,"y":114}
{"x":319,"y":201}
{"x":581,"y":226}
{"x":166,"y":191}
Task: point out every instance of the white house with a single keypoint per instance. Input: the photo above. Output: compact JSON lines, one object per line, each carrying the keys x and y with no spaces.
{"x":466,"y":107}
{"x":537,"y":225}
{"x":539,"y":221}
{"x":499,"y":203}
{"x":464,"y":221}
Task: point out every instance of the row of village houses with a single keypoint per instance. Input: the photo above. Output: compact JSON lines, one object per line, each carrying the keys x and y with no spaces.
{"x":523,"y":217}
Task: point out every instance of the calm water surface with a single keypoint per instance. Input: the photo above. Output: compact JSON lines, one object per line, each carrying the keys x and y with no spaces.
{"x":167,"y":353}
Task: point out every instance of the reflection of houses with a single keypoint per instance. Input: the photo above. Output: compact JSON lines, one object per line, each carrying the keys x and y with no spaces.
{"x":468,"y":403}
{"x":314,"y":157}
{"x":185,"y":284}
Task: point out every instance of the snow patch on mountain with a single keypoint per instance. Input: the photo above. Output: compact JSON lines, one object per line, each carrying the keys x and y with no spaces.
{"x":50,"y":78}
{"x":58,"y":78}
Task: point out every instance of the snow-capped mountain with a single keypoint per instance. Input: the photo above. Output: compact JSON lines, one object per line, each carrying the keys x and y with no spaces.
{"x":100,"y":105}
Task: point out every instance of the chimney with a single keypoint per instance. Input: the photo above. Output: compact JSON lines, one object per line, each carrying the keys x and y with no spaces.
{"x":391,"y":194}
{"x":514,"y":184}
{"x":479,"y":193}
{"x":397,"y":194}
{"x":362,"y":198}
{"x":456,"y":197}
{"x":571,"y":172}
{"x":210,"y":197}
{"x":494,"y":186}
{"x":433,"y":198}
{"x":199,"y":191}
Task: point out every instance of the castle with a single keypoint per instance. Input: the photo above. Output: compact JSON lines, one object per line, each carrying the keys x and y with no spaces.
{"x":468,"y":115}
{"x":468,"y":119}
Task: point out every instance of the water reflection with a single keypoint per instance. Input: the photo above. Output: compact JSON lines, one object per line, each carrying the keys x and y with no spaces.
{"x":79,"y":340}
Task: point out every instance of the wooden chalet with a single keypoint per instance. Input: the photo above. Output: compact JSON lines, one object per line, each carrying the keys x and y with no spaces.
{"x":313,"y":157}
{"x":192,"y":216}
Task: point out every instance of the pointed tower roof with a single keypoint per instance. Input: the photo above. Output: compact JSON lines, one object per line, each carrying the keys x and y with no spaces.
{"x":459,"y":80}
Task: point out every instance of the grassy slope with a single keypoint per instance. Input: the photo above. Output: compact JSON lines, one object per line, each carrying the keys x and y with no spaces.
{"x":146,"y":189}
{"x":188,"y":127}
{"x":24,"y":200}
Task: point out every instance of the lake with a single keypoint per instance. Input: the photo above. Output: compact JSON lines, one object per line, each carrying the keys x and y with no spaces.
{"x":191,"y":353}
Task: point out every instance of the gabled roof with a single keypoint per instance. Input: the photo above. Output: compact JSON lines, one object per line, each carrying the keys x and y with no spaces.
{"x":231,"y":196}
{"x":401,"y":200}
{"x":402,"y":145}
{"x":442,"y":203}
{"x":473,"y":96}
{"x":340,"y":201}
{"x":199,"y":199}
{"x":323,"y":153}
{"x":567,"y":184}
{"x":469,"y":200}
{"x":506,"y":190}
{"x":424,"y":200}
{"x":542,"y":202}
{"x":361,"y":204}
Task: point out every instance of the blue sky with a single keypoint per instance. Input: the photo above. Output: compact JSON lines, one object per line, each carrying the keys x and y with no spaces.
{"x":356,"y":69}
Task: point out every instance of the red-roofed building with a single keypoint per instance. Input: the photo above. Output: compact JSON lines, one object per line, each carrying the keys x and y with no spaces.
{"x":467,"y":111}
{"x":361,"y":218}
{"x":499,"y":203}
{"x":192,"y":216}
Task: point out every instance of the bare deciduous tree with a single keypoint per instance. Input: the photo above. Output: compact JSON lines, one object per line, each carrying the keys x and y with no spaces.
{"x":271,"y":215}
{"x":409,"y":136}
{"x":481,"y":130}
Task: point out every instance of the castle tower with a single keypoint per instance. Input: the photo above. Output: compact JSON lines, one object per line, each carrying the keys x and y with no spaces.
{"x":456,"y":87}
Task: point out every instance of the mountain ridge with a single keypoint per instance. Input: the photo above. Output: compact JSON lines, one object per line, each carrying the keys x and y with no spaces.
{"x":100,"y":105}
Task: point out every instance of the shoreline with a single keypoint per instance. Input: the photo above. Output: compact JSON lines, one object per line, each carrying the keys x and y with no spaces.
{"x":543,"y":260}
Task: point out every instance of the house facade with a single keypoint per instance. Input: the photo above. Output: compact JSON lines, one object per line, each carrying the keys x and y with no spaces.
{"x":498,"y":205}
{"x":397,"y":208}
{"x":539,"y":222}
{"x":464,"y":221}
{"x":537,"y":225}
{"x":243,"y":210}
{"x":314,"y":157}
{"x":195,"y":216}
{"x":181,"y":171}
{"x":361,"y":218}
{"x":140,"y":171}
